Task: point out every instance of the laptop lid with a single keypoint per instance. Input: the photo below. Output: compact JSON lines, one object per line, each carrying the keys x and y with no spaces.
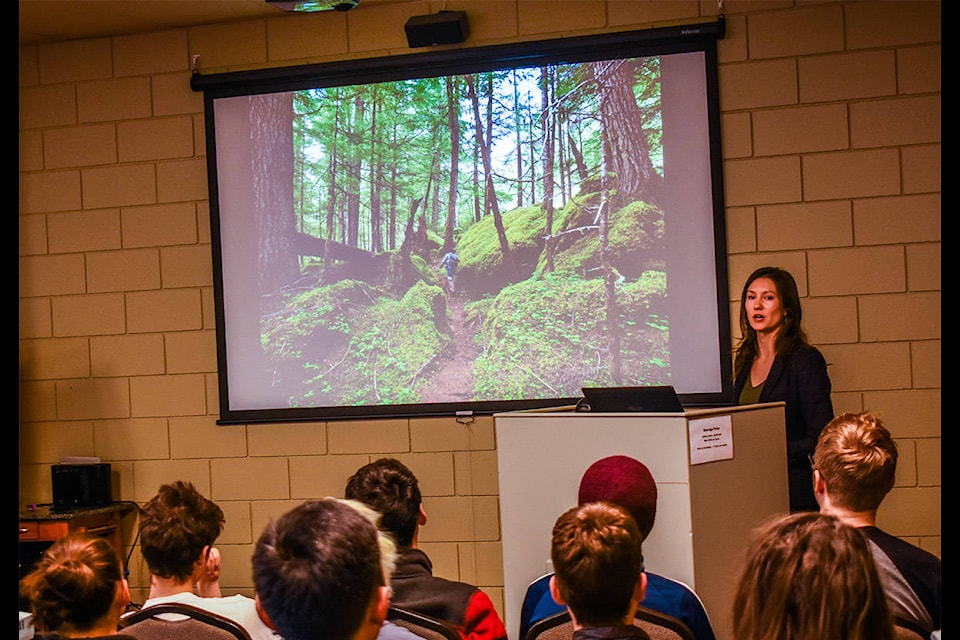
{"x":655,"y":399}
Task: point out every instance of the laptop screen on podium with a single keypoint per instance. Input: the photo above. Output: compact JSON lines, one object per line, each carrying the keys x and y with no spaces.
{"x":656,"y":399}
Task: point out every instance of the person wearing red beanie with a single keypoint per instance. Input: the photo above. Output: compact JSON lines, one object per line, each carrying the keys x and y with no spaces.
{"x":627,"y":483}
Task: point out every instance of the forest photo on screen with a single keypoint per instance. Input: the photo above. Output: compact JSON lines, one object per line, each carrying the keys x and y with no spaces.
{"x":496,"y":235}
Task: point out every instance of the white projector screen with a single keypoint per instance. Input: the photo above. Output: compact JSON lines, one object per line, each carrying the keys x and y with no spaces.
{"x":577,"y":181}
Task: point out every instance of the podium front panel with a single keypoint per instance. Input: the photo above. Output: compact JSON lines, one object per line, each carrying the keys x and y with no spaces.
{"x":705,"y":512}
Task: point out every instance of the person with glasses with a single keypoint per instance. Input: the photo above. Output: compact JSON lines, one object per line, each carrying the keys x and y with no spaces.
{"x":178,"y":529}
{"x":854,"y":467}
{"x":597,"y":555}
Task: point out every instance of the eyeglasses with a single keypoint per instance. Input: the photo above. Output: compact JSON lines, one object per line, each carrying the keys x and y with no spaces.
{"x":813,"y":466}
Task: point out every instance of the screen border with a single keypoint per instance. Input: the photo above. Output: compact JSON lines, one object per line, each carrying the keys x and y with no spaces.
{"x":666,"y":40}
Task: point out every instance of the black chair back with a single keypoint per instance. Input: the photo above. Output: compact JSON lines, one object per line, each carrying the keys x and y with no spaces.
{"x":424,"y":626}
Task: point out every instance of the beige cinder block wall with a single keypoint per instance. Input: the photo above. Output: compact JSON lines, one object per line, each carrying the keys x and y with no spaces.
{"x":831,"y":137}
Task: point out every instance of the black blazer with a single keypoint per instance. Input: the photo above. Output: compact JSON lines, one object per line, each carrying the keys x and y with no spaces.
{"x":801,"y":381}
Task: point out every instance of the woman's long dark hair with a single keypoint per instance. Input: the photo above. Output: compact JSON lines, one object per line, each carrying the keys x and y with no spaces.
{"x":791,"y":336}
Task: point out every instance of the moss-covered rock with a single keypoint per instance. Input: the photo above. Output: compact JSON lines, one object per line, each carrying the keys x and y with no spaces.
{"x":482,"y":269}
{"x":633,"y":235}
{"x":560,"y":323}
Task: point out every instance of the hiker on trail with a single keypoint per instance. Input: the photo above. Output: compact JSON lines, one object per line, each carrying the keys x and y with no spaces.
{"x":450,"y":261}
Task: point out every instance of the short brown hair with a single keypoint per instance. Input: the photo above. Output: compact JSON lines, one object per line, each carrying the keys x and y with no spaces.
{"x":597,"y":561}
{"x":175,"y":526}
{"x":857,"y":459}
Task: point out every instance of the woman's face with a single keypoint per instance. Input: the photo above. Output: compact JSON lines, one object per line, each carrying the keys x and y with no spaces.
{"x":762,"y":304}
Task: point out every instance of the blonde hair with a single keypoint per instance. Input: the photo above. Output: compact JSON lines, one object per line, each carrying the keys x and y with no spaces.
{"x":857,"y":459}
{"x":388,"y":548}
{"x":808,"y":575}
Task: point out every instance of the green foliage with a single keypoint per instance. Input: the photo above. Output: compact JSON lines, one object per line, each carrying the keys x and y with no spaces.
{"x":560,"y":322}
{"x":379,"y":340}
{"x":390,"y":349}
{"x":636,"y":227}
{"x":375,"y":347}
{"x":317,"y":315}
{"x":422,"y":268}
{"x":479,"y":246}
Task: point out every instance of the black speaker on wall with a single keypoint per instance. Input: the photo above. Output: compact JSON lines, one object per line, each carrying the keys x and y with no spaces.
{"x":444,"y":27}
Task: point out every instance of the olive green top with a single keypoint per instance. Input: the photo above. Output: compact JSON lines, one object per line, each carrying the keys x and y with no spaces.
{"x":750,"y":394}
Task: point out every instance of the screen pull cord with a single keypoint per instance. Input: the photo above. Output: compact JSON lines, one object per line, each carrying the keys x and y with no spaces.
{"x":465,"y":417}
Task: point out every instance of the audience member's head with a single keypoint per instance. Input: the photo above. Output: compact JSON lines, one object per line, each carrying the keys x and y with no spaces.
{"x":390,"y":487}
{"x":77,"y":588}
{"x":597,"y":556}
{"x":177,"y":528}
{"x":808,"y":575}
{"x":318,"y":574}
{"x":856,"y":461}
{"x":624,"y":482}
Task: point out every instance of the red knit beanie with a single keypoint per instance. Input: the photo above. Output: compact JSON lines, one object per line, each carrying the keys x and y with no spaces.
{"x":624,"y":482}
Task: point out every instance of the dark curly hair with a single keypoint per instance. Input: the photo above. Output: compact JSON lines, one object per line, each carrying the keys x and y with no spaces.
{"x":390,"y":487}
{"x":316,"y":570}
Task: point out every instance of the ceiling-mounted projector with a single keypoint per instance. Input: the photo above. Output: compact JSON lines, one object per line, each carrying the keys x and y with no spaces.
{"x":311,"y":6}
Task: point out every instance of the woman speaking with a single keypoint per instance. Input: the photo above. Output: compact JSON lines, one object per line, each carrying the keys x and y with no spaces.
{"x":774,"y":362}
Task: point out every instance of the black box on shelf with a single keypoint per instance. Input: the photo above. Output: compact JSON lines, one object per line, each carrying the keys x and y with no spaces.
{"x":81,"y":485}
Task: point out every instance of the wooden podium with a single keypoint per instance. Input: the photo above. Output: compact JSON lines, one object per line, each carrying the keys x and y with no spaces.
{"x":719,"y":473}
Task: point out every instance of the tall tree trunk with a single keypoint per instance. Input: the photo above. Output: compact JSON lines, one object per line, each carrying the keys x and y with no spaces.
{"x":490,"y":194}
{"x":577,"y":154}
{"x":477,"y":207}
{"x":609,"y":274}
{"x":547,"y":121}
{"x":392,"y":235}
{"x":453,"y":122}
{"x":488,"y":179}
{"x":629,"y":152}
{"x":518,"y":128}
{"x":532,"y":147}
{"x":376,"y":222}
{"x":353,"y":175}
{"x":562,"y":160}
{"x":272,"y":150}
{"x":333,"y":171}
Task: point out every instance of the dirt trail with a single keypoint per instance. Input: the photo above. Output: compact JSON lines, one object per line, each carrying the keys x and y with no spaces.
{"x":454,"y":379}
